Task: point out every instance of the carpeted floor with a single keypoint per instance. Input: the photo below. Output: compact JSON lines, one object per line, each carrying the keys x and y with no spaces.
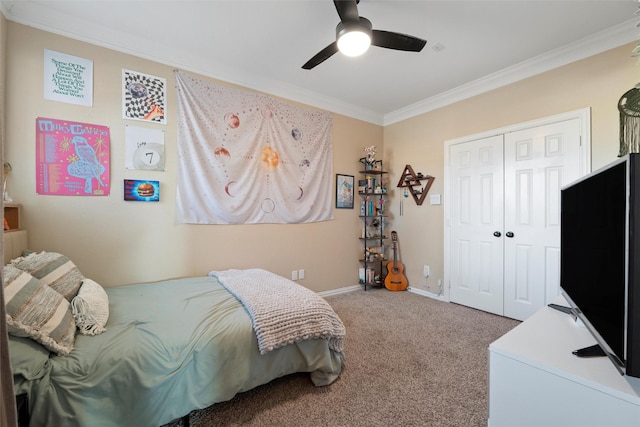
{"x":410,"y":361}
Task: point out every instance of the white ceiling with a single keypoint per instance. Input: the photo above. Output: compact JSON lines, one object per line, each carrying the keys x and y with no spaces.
{"x":262,"y":44}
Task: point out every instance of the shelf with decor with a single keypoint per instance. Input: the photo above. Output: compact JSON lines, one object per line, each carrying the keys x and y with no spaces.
{"x":413,"y":183}
{"x":12,"y":217}
{"x":372,"y":191}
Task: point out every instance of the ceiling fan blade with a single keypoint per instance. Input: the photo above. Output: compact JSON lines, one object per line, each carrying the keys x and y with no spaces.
{"x":321,"y":56}
{"x":397,"y":41}
{"x":347,"y":10}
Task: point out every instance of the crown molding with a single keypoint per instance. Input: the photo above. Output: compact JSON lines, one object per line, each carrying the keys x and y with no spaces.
{"x":581,"y":49}
{"x":33,"y":15}
{"x":589,"y":46}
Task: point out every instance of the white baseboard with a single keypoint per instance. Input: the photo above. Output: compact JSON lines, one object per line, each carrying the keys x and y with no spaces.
{"x":346,"y":289}
{"x":339,"y":291}
{"x":428,"y":294}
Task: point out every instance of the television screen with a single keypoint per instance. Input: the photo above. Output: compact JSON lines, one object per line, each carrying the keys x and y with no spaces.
{"x":594,"y":253}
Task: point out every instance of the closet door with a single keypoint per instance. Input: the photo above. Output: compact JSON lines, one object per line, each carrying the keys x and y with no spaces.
{"x":538,"y":162}
{"x":476,"y":220}
{"x":503,"y":217}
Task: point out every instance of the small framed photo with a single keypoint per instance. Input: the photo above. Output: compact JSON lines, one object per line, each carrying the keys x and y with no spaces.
{"x":344,"y":191}
{"x":141,"y":191}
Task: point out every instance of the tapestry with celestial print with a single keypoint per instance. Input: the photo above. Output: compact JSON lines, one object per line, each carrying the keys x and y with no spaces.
{"x":248,"y":158}
{"x":72,"y":159}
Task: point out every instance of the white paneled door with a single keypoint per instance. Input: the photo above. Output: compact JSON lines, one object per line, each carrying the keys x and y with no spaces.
{"x":476,"y":201}
{"x":504,"y":217}
{"x":538,"y":162}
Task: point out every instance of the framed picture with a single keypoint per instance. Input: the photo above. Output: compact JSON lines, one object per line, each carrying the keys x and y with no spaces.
{"x":344,"y":191}
{"x":144,"y":97}
{"x":144,"y":148}
{"x":72,"y":158}
{"x":141,"y":191}
{"x":68,"y":78}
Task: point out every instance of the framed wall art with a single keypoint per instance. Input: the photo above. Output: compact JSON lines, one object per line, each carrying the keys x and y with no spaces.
{"x":72,"y":158}
{"x":144,"y":148}
{"x":344,"y":191}
{"x":144,"y":97}
{"x":138,"y":190}
{"x":68,"y":78}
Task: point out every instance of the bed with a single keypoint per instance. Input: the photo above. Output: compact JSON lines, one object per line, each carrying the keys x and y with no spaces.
{"x":169,"y":347}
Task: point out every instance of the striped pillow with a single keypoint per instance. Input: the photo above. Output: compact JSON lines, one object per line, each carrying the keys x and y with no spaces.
{"x":36,"y":311}
{"x":54,"y":269}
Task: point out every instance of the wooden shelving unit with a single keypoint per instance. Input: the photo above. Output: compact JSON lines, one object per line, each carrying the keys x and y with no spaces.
{"x":414,"y":182}
{"x":12,"y":216}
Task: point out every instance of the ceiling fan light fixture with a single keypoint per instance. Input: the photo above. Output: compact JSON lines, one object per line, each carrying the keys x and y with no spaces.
{"x":354,"y":38}
{"x":354,"y":43}
{"x":353,"y":29}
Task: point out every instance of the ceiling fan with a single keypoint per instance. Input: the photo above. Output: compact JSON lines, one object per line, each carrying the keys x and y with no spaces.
{"x":354,"y":34}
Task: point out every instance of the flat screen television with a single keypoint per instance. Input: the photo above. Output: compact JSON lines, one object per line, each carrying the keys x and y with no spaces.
{"x":600,"y":258}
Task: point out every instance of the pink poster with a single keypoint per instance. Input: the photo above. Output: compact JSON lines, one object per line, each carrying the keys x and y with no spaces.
{"x":72,"y":159}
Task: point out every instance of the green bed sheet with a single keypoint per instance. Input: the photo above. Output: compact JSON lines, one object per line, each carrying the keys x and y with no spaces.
{"x":170,"y":347}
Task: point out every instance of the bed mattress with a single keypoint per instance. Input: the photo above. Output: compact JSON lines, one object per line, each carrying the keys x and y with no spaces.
{"x":170,"y":347}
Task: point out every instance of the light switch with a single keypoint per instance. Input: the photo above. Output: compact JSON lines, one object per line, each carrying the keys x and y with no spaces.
{"x":434,"y":199}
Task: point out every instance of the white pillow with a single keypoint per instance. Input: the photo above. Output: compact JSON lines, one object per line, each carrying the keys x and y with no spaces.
{"x":90,"y":308}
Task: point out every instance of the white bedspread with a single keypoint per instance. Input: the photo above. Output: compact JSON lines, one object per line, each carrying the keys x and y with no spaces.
{"x":282,"y":312}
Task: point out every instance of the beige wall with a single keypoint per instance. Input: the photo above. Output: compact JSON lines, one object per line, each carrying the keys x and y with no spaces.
{"x":597,"y":82}
{"x":116,"y":242}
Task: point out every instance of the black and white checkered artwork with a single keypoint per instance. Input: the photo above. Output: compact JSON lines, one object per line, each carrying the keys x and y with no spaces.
{"x":144,"y":97}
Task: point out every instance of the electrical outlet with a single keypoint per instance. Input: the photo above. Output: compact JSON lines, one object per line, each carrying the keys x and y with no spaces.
{"x":294,"y":275}
{"x":426,"y":271}
{"x":300,"y":274}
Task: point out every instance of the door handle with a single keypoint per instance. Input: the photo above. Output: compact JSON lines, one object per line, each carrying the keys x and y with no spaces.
{"x":497,"y":233}
{"x":509,"y":234}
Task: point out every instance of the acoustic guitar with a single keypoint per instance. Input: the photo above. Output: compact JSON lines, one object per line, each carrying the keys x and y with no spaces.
{"x":395,"y":280}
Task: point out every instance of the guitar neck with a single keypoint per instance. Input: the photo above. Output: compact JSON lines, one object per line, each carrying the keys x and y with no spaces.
{"x":394,"y":237}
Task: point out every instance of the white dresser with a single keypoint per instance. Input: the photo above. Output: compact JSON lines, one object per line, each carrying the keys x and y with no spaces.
{"x":534,"y":380}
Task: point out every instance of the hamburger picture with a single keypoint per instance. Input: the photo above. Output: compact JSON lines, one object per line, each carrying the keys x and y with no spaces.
{"x":146,"y":190}
{"x":138,"y":190}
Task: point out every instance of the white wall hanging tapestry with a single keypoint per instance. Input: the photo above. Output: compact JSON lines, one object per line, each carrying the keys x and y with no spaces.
{"x":247,"y":158}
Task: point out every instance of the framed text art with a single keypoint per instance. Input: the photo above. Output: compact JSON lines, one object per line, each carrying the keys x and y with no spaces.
{"x":344,"y":191}
{"x":68,"y":78}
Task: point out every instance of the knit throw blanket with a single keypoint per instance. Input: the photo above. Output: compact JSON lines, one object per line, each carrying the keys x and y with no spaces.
{"x":282,"y":312}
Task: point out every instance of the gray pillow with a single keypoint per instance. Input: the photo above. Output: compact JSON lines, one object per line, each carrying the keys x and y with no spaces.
{"x":36,"y":311}
{"x":55,"y":269}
